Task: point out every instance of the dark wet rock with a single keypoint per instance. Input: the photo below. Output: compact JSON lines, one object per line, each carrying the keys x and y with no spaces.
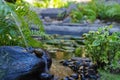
{"x":16,"y":63}
{"x":47,"y":19}
{"x":65,"y":62}
{"x":67,"y":20}
{"x":66,"y":78}
{"x":54,"y":13}
{"x":83,"y":68}
{"x":75,"y":76}
{"x":46,"y":76}
{"x":76,"y":29}
{"x":40,"y":17}
{"x":70,"y":78}
{"x":71,"y":8}
{"x":109,"y":23}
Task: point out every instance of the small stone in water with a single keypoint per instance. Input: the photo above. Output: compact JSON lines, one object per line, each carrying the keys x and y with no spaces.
{"x":71,"y":78}
{"x":46,"y":76}
{"x":75,"y":76}
{"x":48,"y":19}
{"x":67,"y":20}
{"x":66,"y":78}
{"x":65,"y":63}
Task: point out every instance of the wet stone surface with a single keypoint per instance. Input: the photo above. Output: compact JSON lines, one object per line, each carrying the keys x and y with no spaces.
{"x":16,"y":63}
{"x":63,"y":46}
{"x":54,"y":13}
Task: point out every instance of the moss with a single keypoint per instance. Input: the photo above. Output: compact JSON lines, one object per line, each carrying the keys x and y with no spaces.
{"x":108,"y":76}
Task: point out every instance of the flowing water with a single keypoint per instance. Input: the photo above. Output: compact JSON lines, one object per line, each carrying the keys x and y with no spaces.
{"x":46,"y":63}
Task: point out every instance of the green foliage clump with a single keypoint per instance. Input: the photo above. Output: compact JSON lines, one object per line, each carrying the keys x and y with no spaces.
{"x":103,"y":48}
{"x":8,"y":29}
{"x":42,"y":4}
{"x":84,"y":11}
{"x":108,"y":11}
{"x":78,"y":52}
{"x":15,"y":22}
{"x":96,"y":9}
{"x":50,"y":4}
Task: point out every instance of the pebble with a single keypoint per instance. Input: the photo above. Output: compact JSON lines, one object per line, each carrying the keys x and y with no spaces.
{"x":75,"y":76}
{"x":97,"y":21}
{"x":46,"y":76}
{"x":47,"y":19}
{"x":82,"y":67}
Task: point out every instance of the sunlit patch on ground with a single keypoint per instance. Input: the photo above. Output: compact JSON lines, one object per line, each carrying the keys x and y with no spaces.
{"x":60,"y":71}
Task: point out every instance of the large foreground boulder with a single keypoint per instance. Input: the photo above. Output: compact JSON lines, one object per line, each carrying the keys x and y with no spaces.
{"x":16,"y":63}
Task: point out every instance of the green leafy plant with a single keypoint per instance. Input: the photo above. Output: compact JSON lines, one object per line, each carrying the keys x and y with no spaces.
{"x":84,"y":11}
{"x":16,"y":21}
{"x":80,"y":51}
{"x":42,"y":4}
{"x":96,"y":9}
{"x":103,"y":48}
{"x":76,"y":15}
{"x":108,"y":11}
{"x":8,"y":29}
